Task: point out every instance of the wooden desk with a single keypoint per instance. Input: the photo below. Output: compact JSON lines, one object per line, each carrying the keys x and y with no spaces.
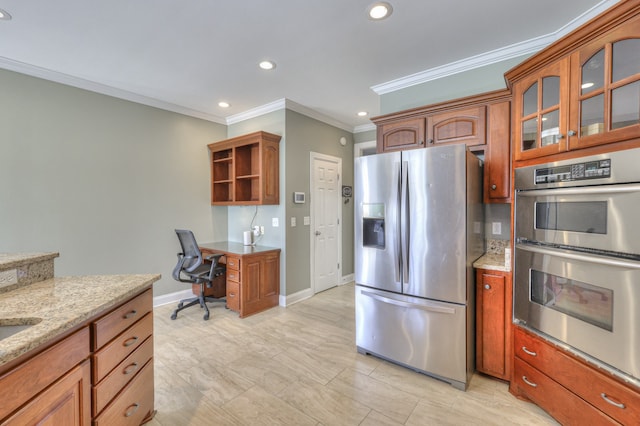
{"x":253,"y":275}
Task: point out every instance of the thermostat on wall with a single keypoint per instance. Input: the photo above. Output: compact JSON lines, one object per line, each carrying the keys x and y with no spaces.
{"x":298,"y":197}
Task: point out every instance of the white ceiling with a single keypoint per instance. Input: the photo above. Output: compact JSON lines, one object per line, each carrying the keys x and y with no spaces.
{"x":186,"y":56}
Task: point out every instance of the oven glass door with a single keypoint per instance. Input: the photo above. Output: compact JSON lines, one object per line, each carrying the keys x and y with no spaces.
{"x":598,"y":217}
{"x":589,"y":302}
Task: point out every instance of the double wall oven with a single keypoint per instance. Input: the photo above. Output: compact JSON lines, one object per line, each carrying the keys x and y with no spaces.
{"x":577,"y":257}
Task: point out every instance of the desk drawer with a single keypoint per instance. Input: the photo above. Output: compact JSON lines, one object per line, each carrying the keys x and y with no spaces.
{"x":108,"y":388}
{"x":133,"y":404}
{"x":233,"y":263}
{"x":233,"y":296}
{"x":233,"y":275}
{"x":112,"y":354}
{"x":109,"y":326}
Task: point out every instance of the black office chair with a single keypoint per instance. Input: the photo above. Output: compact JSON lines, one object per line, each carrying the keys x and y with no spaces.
{"x":192,"y":268}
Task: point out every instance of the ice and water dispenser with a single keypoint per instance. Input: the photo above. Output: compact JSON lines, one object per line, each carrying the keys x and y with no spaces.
{"x":373,"y":225}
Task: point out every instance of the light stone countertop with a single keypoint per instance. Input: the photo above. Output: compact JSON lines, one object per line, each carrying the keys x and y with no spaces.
{"x":14,"y":260}
{"x":61,"y":304}
{"x":492,"y":261}
{"x":495,"y":259}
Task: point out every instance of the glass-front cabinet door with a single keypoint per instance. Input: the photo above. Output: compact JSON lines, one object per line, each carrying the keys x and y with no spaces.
{"x":540,"y":103}
{"x":605,"y":89}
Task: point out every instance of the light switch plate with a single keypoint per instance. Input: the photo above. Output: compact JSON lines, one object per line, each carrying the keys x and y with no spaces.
{"x":274,"y":222}
{"x":496,"y":228}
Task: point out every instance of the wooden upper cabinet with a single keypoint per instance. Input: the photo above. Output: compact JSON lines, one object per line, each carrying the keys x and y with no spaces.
{"x":461,"y":126}
{"x":245,"y":170}
{"x":401,"y":135}
{"x":497,"y":154}
{"x":582,"y":91}
{"x":540,"y":119}
{"x":606,"y":94}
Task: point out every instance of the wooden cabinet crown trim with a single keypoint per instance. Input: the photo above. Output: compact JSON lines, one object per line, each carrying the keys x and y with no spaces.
{"x":250,"y":138}
{"x":582,"y":35}
{"x":488,"y":97}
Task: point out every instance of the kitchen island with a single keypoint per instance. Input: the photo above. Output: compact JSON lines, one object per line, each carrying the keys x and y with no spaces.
{"x":84,"y":352}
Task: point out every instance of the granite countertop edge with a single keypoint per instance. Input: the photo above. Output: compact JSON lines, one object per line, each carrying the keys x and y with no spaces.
{"x":15,"y":260}
{"x":59,"y":304}
{"x":492,"y":261}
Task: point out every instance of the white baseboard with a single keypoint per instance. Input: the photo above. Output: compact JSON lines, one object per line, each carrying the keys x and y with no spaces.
{"x":296,"y":297}
{"x":165,"y":299}
{"x":346,"y":279}
{"x":285,"y":301}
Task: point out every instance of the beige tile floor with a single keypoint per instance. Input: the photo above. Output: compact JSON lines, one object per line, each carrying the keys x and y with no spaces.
{"x":299,"y":366}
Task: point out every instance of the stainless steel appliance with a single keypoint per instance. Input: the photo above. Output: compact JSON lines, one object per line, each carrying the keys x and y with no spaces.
{"x":577,"y":257}
{"x":419,"y":226}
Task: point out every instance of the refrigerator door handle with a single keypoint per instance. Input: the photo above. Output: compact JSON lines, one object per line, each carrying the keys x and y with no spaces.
{"x":404,"y":222}
{"x":398,"y":232}
{"x":423,"y":306}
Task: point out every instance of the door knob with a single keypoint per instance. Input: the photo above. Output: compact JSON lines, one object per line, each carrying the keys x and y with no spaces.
{"x":318,"y":232}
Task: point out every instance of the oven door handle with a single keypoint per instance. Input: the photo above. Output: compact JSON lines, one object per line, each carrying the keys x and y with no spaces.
{"x":582,"y":190}
{"x":607,"y":261}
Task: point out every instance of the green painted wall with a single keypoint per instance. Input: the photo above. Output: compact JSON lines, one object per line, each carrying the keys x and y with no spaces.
{"x":102,"y":181}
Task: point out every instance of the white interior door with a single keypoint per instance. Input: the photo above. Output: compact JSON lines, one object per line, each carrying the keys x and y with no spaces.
{"x":326,"y":211}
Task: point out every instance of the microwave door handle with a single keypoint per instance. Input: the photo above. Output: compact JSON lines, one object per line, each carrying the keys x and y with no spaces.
{"x":582,"y":190}
{"x":620,"y":263}
{"x":404,"y":220}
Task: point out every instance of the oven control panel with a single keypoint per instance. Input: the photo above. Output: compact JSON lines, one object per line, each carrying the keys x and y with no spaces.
{"x":571,"y":172}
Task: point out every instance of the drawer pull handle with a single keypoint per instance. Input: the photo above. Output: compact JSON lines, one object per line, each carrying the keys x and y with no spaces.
{"x":130,"y":314}
{"x":131,"y":410}
{"x":130,"y":368}
{"x":130,"y":341}
{"x":528,"y":352}
{"x":533,"y":385}
{"x":612,"y":402}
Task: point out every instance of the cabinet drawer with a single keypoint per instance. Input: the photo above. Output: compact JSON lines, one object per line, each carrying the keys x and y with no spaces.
{"x":108,"y":388}
{"x":233,"y":263}
{"x":112,"y":354}
{"x":591,"y":385}
{"x":28,"y":379}
{"x":233,"y":296}
{"x":233,"y":275}
{"x":133,"y":404}
{"x":112,"y":324}
{"x":562,"y":404}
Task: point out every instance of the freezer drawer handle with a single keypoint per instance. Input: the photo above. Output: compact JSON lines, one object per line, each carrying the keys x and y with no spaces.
{"x":610,"y":401}
{"x":438,"y":309}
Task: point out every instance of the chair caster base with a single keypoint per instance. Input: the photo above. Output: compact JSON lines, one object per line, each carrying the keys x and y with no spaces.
{"x":174,"y":315}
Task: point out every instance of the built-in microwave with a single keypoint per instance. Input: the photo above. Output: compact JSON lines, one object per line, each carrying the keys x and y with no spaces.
{"x":577,"y":256}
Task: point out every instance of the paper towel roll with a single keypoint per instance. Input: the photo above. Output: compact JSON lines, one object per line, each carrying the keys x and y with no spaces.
{"x":247,"y":238}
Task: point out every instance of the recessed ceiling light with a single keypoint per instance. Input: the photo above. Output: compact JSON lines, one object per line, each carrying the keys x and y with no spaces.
{"x":267,"y":65}
{"x":224,"y":104}
{"x":362,"y":114}
{"x":4,"y":15}
{"x":379,"y":10}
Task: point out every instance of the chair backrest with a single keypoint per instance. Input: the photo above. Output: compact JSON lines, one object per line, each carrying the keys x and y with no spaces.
{"x":190,"y":250}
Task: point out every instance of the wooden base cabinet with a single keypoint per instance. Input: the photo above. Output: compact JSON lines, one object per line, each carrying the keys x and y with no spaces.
{"x":493,"y":323}
{"x":122,"y":361}
{"x":569,"y":389}
{"x":53,"y":387}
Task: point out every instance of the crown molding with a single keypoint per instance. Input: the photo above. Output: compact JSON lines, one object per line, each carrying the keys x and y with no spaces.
{"x":364,"y":128}
{"x":526,"y":47}
{"x":290,"y":105}
{"x":103,"y":89}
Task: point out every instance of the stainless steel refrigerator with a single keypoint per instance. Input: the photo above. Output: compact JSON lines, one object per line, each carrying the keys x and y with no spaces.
{"x":419,"y":227}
